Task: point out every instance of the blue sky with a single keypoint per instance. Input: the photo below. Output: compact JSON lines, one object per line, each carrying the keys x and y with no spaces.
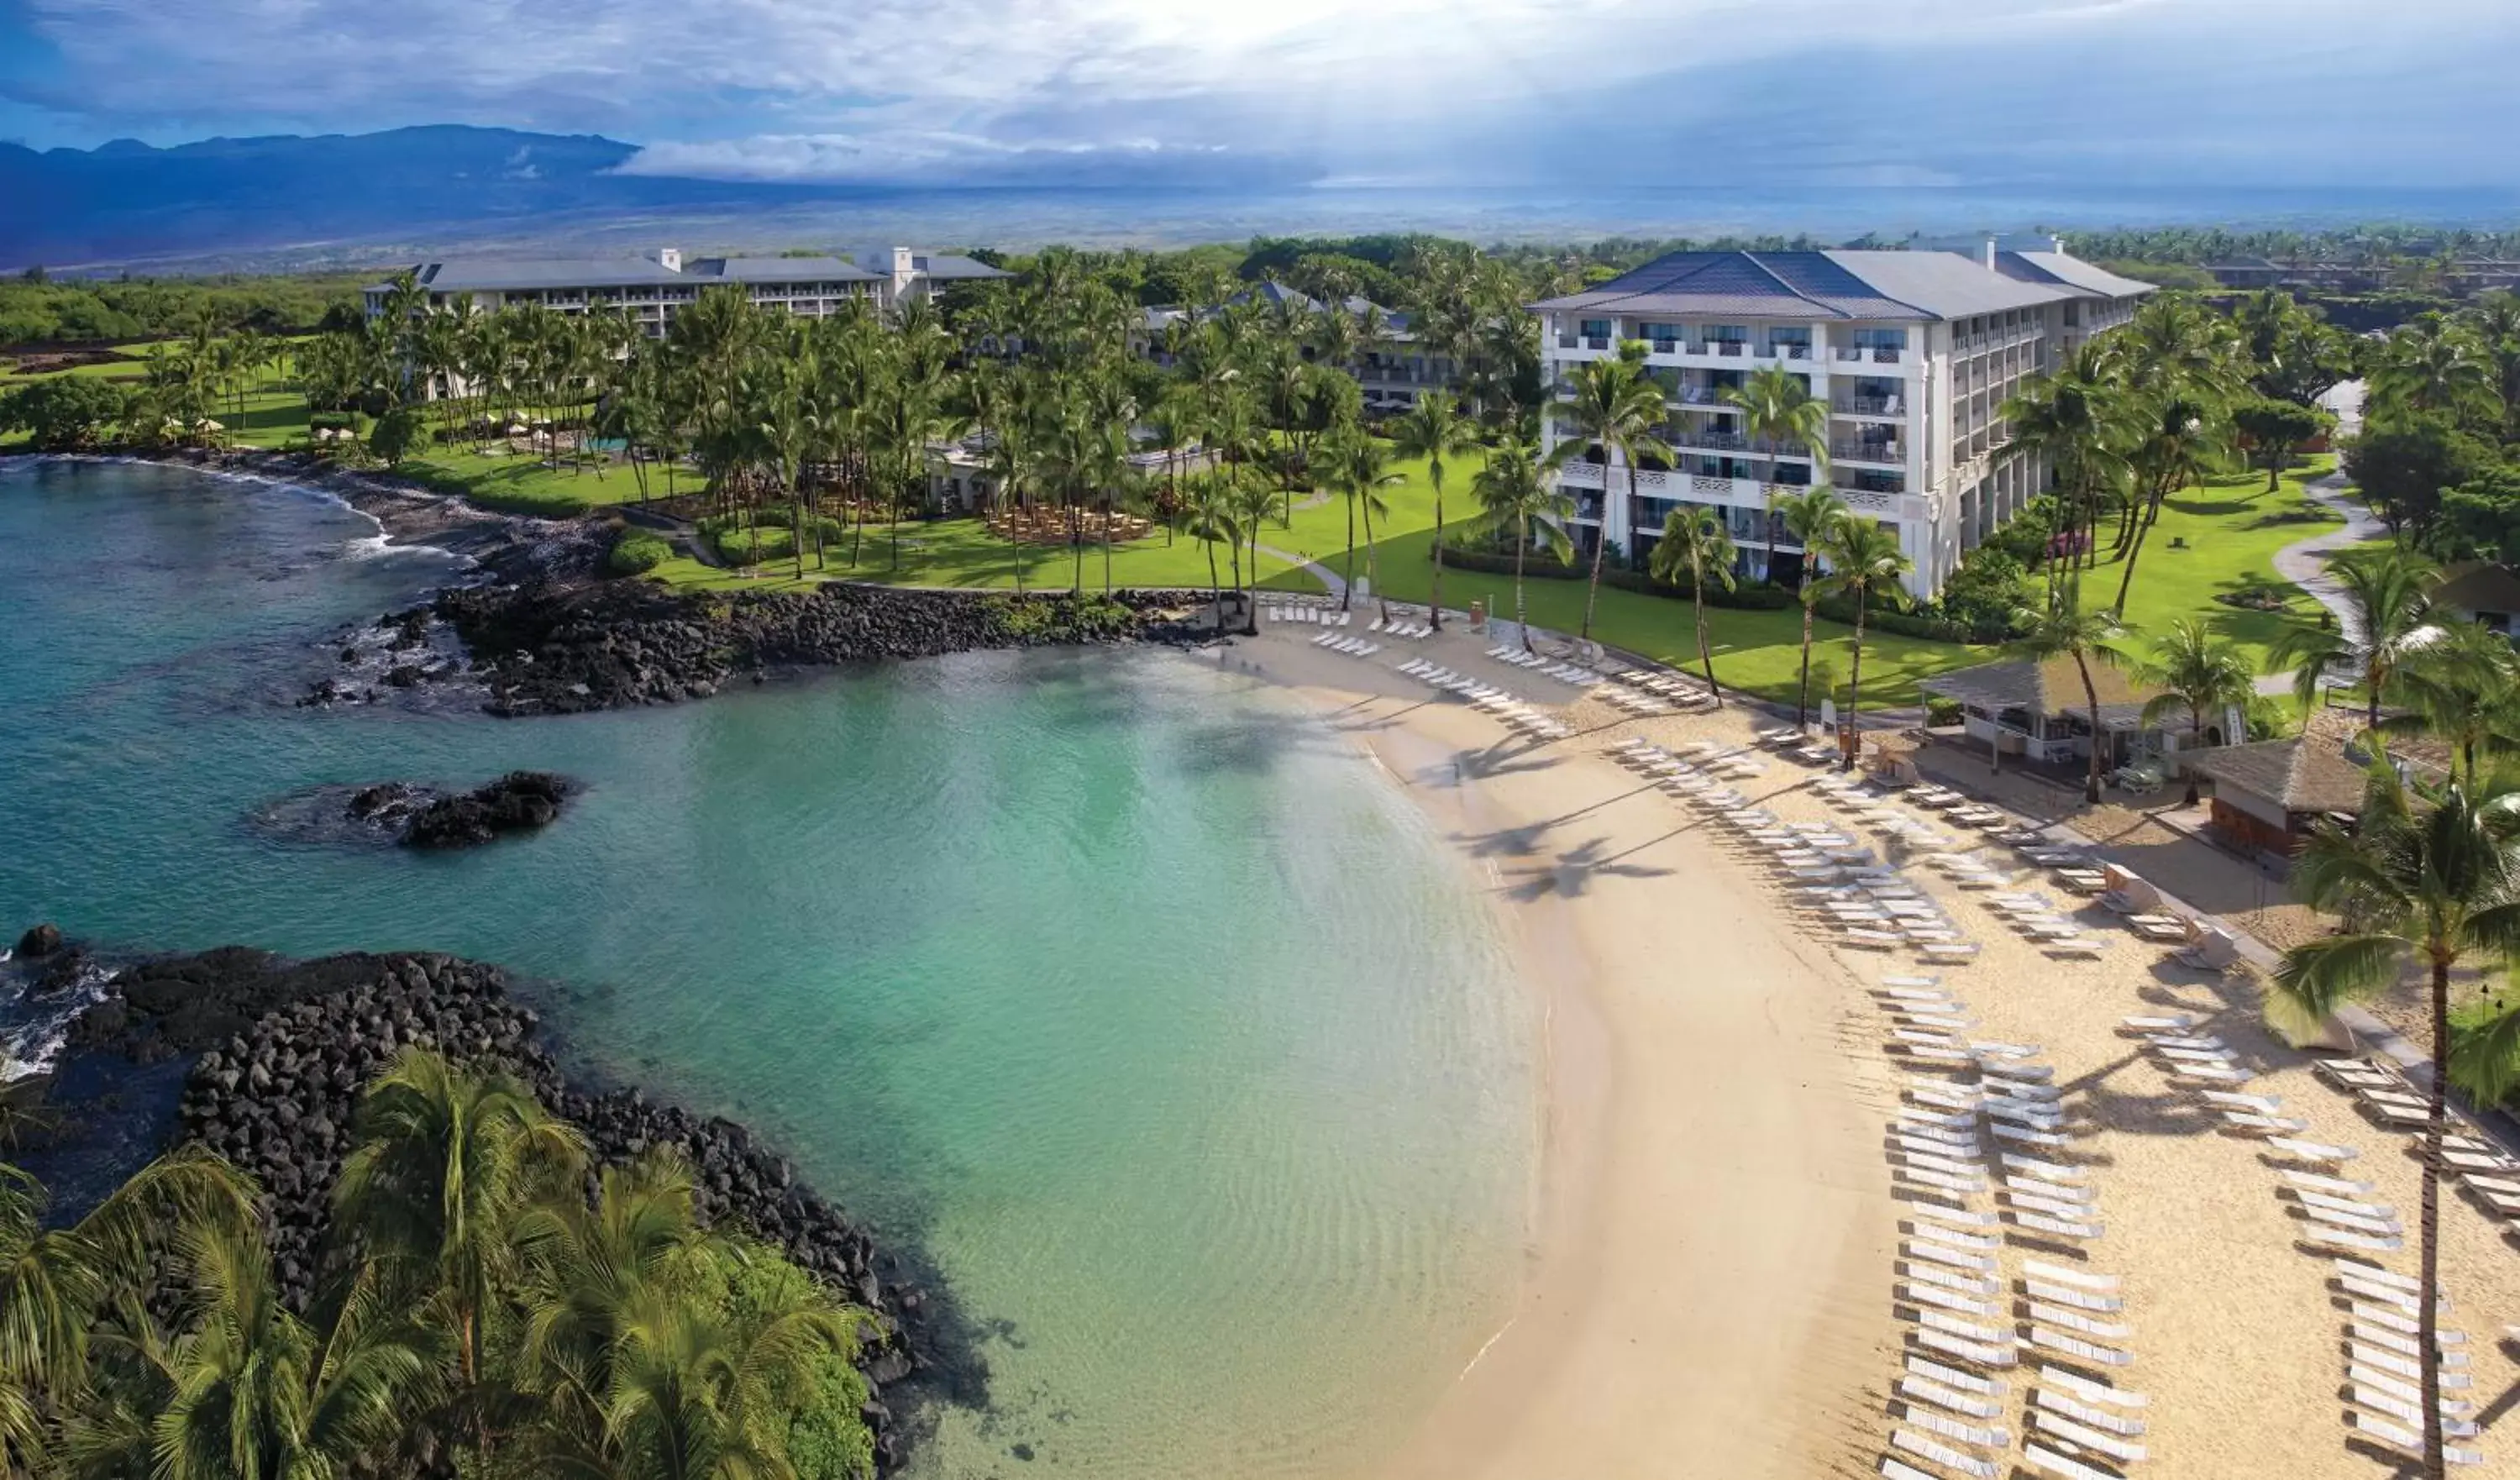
{"x":1625,"y":92}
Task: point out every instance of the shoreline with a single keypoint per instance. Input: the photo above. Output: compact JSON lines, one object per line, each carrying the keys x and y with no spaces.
{"x":1710,"y":1221}
{"x":406,"y":515}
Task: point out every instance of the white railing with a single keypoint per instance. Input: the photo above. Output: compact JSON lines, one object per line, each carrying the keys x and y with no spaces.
{"x":1654,"y":482}
{"x":1581,"y":475}
{"x":1710,"y":486}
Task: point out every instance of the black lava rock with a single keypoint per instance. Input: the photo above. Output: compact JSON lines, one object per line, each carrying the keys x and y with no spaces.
{"x":39,"y":940}
{"x":550,"y":649}
{"x":515,"y":803}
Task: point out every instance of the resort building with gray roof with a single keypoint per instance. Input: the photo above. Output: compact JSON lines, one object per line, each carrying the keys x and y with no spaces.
{"x":1914,"y":352}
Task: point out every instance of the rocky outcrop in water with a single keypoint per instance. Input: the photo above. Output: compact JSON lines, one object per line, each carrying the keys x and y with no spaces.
{"x":39,"y":940}
{"x":286,"y":1046}
{"x":563,"y":650}
{"x":516,"y":802}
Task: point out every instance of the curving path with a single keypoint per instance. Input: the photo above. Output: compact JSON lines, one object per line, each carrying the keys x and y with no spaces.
{"x":2305,"y":562}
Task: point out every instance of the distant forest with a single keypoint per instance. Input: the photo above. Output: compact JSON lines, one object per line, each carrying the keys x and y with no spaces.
{"x":39,"y":313}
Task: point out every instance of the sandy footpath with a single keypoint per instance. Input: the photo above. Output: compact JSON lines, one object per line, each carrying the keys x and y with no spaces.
{"x":1710,"y":1291}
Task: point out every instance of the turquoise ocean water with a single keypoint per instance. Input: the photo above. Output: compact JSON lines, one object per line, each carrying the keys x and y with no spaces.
{"x":1176,"y":1040}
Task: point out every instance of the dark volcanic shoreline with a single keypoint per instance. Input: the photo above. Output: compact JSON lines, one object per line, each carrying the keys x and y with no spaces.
{"x":278,"y":1051}
{"x":556,"y":648}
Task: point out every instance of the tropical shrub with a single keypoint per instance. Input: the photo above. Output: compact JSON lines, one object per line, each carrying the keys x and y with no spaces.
{"x":636,"y":551}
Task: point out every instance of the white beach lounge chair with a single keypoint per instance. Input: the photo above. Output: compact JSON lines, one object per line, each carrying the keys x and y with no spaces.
{"x":1914,"y":1390}
{"x":2089,"y":1390}
{"x":2057,"y":1294}
{"x":1942,"y":1453}
{"x":1954,"y":1378}
{"x":2048,"y":1396}
{"x":2317,"y":1151}
{"x":2074,"y":1346}
{"x":1997,"y":1357}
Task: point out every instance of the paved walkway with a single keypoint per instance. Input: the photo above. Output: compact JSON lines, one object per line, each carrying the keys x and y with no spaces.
{"x":1329,"y":578}
{"x":2305,"y":564}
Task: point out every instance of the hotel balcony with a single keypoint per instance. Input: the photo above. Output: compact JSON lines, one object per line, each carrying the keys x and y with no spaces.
{"x":1892,"y":408}
{"x":1727,"y":353}
{"x":1872,"y":354}
{"x":1889,"y":453}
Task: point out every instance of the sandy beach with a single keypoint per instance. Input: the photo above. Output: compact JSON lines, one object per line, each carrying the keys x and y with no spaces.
{"x":1714,"y":1284}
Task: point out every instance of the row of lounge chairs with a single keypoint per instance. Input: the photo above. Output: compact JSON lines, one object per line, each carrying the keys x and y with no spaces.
{"x":1571,"y":674}
{"x":2383,"y":1374}
{"x":1400,"y":627}
{"x":1516,"y":715}
{"x":1323,"y":616}
{"x":1699,"y":759}
{"x":1800,"y":746}
{"x":1950,"y":1396}
{"x":1353,"y":646}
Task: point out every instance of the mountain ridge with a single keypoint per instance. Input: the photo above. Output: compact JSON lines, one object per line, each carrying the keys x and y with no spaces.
{"x":125,"y":199}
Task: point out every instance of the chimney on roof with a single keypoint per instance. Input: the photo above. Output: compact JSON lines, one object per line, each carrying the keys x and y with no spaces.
{"x":670,"y":259}
{"x":905,"y":270}
{"x":2056,"y":244}
{"x":1988,"y":260}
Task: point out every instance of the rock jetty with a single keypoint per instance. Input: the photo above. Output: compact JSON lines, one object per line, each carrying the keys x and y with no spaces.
{"x":286,"y":1046}
{"x":563,"y":649}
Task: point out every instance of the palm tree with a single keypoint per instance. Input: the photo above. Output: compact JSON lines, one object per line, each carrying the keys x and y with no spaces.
{"x":2197,"y":671}
{"x":1516,"y":501}
{"x":1212,"y":522}
{"x":1356,"y":465}
{"x":1615,"y":406}
{"x":56,"y":1284}
{"x":2183,"y":440}
{"x":1864,"y":562}
{"x":2460,"y":682}
{"x":256,"y":1391}
{"x":1779,"y":412}
{"x":2061,"y":629}
{"x":699,"y":1396}
{"x":442,"y":1165}
{"x":1435,"y":428}
{"x":2437,"y":363}
{"x":1253,"y":502}
{"x":1695,"y":541}
{"x":2428,"y":877}
{"x":2075,"y":422}
{"x":1809,"y":517}
{"x":2387,"y":592}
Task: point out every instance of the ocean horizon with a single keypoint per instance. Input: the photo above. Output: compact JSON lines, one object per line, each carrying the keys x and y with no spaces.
{"x":1024,"y":218}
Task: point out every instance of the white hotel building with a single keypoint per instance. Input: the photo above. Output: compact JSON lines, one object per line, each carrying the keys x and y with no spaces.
{"x":1914,"y":351}
{"x":653,"y":289}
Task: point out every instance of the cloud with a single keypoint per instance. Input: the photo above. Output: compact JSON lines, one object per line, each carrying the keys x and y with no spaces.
{"x":926,"y":159}
{"x":939,"y":91}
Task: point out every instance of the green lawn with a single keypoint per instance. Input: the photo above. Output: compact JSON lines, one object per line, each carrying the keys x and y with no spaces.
{"x":2218,"y":537}
{"x":1757,"y":650}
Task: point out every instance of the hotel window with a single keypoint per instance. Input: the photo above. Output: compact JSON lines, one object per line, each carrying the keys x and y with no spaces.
{"x":1595,"y":328}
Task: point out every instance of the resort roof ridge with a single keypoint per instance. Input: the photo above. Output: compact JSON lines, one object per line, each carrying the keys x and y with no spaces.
{"x":495,"y":273}
{"x":1847,"y":284}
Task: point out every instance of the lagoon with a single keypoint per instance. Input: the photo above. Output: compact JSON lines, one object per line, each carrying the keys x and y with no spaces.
{"x":1125,"y":992}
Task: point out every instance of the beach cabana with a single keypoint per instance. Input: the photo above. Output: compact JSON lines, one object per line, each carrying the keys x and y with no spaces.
{"x":2036,"y":709}
{"x":2269,"y":794}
